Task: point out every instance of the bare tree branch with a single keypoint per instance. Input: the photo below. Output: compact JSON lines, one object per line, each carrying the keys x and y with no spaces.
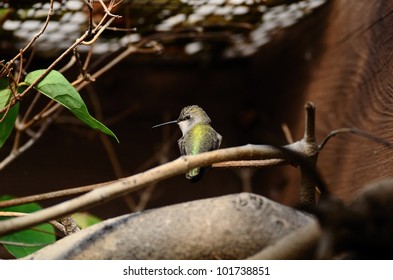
{"x":135,"y":182}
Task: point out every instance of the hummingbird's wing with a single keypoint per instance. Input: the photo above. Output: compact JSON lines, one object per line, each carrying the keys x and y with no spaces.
{"x":182,"y":147}
{"x":217,"y":142}
{"x":212,"y":140}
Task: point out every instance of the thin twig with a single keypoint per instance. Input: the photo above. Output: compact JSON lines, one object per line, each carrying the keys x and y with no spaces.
{"x":358,"y":132}
{"x":56,"y":224}
{"x":89,"y":4}
{"x":107,"y":10}
{"x":82,"y":70}
{"x":120,"y":57}
{"x":27,"y":64}
{"x":249,"y":163}
{"x":245,"y":176}
{"x":20,"y":68}
{"x":287,"y":132}
{"x":25,"y":125}
{"x":97,"y":34}
{"x":16,"y":152}
{"x":36,"y":36}
{"x":47,"y":70}
{"x":50,"y":67}
{"x":49,"y":110}
{"x":145,"y":197}
{"x":15,"y":145}
{"x":30,"y":109}
{"x":22,"y":244}
{"x":88,"y":57}
{"x":107,"y":144}
{"x":113,"y":158}
{"x":7,"y":107}
{"x":4,"y":111}
{"x":70,"y":63}
{"x":51,"y":195}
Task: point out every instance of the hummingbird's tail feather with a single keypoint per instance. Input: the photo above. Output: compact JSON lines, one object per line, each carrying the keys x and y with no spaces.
{"x":196,"y":174}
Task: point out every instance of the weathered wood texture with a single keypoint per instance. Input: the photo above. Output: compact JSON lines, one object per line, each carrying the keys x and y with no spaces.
{"x":352,"y":86}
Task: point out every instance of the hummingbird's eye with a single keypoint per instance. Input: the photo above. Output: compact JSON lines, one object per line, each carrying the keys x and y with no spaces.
{"x":187,"y":117}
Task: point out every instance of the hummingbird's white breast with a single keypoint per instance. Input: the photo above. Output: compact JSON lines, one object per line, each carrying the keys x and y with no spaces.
{"x":186,"y":125}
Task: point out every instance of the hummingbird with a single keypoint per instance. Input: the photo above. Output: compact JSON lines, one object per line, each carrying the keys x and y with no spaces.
{"x":198,"y":136}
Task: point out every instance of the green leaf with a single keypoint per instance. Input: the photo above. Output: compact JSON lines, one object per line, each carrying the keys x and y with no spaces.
{"x":3,"y":83}
{"x":5,"y":95}
{"x":7,"y":125}
{"x":57,"y":87}
{"x":29,"y":240}
{"x":84,"y":219}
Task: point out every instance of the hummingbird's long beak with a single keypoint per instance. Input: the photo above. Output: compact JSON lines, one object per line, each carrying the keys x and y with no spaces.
{"x":165,"y":123}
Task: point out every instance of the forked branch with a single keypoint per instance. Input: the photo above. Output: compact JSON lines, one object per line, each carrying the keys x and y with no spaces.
{"x":290,"y":153}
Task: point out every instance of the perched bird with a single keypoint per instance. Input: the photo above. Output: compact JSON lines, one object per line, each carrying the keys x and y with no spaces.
{"x":198,"y":136}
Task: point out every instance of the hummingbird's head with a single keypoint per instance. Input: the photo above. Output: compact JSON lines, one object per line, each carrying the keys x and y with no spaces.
{"x":190,"y":116}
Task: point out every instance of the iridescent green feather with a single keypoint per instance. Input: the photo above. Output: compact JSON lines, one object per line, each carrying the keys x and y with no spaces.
{"x":204,"y":140}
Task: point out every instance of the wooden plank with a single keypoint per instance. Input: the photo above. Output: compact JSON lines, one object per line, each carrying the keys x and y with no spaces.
{"x":352,"y":86}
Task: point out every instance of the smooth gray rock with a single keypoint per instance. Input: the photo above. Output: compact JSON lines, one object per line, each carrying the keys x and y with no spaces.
{"x":228,"y":227}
